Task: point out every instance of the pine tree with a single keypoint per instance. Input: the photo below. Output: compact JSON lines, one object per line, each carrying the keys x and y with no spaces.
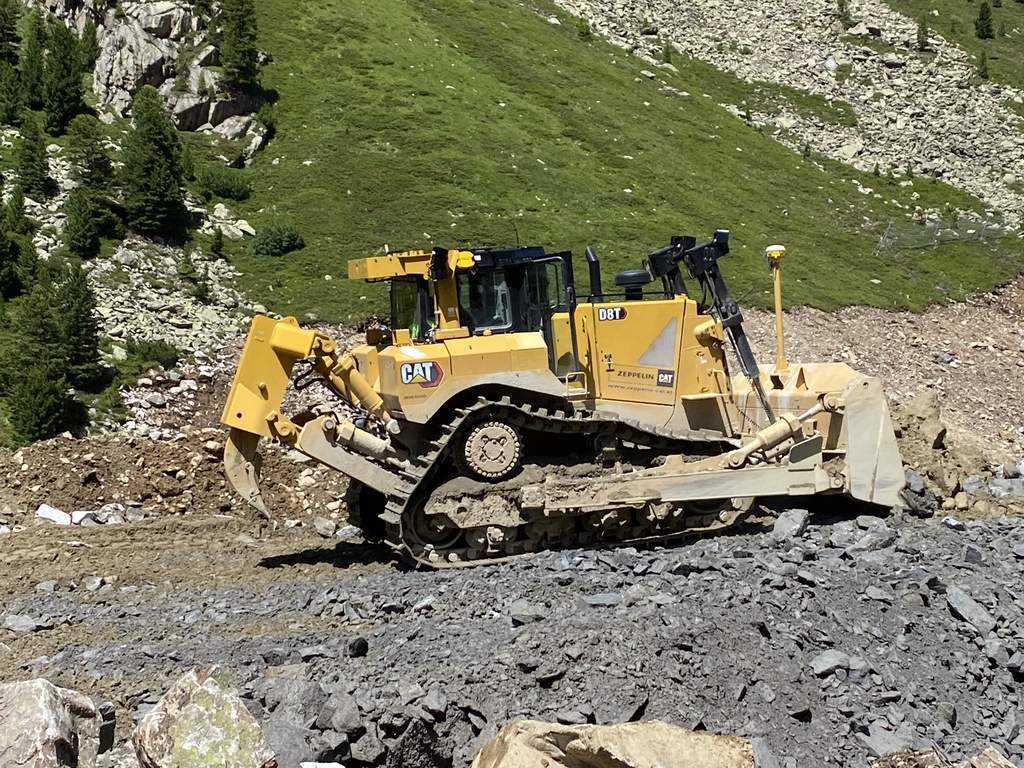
{"x":238,"y":53}
{"x":40,"y":405}
{"x":10,"y":280}
{"x":152,"y":168}
{"x":81,"y":233}
{"x":10,"y":94}
{"x":983,"y":24}
{"x":33,"y":170}
{"x":983,"y":66}
{"x":63,"y":96}
{"x":14,"y":218}
{"x":922,"y":34}
{"x":88,"y":46}
{"x":91,"y":165}
{"x":10,"y":10}
{"x":33,"y":48}
{"x":35,"y":325}
{"x":78,"y":327}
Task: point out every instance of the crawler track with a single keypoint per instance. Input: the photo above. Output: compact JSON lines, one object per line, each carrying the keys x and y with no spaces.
{"x":406,"y":528}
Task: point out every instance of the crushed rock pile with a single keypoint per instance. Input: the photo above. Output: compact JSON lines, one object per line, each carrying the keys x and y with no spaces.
{"x":824,"y":640}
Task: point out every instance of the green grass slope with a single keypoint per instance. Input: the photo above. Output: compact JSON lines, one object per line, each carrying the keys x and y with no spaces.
{"x":450,"y":122}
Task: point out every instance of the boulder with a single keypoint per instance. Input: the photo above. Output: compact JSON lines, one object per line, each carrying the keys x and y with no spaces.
{"x":163,"y":19}
{"x":208,"y":56}
{"x":44,"y":726}
{"x":129,"y":59}
{"x":651,"y":744}
{"x":203,"y":80}
{"x":234,"y":127}
{"x":242,"y":104}
{"x":189,"y":111}
{"x":201,"y":721}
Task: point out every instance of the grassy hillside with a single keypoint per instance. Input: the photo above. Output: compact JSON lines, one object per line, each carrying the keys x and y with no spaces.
{"x":447,"y":122}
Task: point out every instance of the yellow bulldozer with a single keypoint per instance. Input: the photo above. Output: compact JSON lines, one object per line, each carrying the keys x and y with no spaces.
{"x":499,"y":413}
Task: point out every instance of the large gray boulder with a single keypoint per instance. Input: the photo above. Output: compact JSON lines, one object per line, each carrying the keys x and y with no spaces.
{"x":189,"y":111}
{"x":201,"y":722}
{"x":129,"y":59}
{"x":45,"y":726}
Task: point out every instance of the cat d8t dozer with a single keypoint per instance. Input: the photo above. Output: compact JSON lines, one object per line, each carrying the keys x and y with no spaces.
{"x":499,"y":413}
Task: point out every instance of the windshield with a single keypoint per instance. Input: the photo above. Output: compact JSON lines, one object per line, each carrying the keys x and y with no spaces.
{"x":485,"y":301}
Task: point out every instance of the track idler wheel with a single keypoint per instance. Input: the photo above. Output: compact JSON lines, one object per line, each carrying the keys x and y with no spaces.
{"x":493,"y":450}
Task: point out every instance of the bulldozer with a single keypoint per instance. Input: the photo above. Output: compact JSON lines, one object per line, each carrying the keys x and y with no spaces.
{"x":498,"y":412}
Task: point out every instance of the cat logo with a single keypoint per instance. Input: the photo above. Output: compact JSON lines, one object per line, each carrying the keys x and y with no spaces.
{"x":666,"y":378}
{"x":611,"y":313}
{"x":427,"y":374}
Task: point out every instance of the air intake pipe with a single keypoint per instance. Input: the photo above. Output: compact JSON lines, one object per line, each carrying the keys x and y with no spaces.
{"x":594,"y":266}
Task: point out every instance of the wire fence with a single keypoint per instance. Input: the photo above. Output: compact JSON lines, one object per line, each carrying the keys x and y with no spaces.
{"x":907,"y":236}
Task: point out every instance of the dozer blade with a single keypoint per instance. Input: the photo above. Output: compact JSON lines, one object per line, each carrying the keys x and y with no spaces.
{"x":874,"y":467}
{"x":242,"y":464}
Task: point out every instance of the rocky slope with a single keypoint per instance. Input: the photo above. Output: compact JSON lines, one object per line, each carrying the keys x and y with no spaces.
{"x":925,"y":113}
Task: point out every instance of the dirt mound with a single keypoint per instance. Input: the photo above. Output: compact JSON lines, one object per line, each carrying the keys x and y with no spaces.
{"x":182,"y":477}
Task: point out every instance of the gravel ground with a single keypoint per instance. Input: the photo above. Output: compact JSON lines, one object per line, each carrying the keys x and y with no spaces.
{"x":853,"y":637}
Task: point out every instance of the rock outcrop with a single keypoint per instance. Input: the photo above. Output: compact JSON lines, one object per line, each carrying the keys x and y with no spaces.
{"x":532,"y":744}
{"x":149,"y":43}
{"x":44,"y":726}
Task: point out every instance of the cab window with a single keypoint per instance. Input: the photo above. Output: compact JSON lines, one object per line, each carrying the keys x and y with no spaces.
{"x":410,"y":306}
{"x":485,"y":300}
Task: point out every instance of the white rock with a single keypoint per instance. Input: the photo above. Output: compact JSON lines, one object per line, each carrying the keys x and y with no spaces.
{"x":54,"y":515}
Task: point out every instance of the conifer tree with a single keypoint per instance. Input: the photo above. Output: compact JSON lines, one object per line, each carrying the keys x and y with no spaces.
{"x":10,"y":280}
{"x":14,"y":218}
{"x":10,"y":10}
{"x":88,"y":46}
{"x":152,"y":175}
{"x":33,"y":170}
{"x":63,"y":96}
{"x":81,"y":233}
{"x":238,"y":53}
{"x":91,"y":165}
{"x":10,"y":94}
{"x":983,"y":24}
{"x":40,"y":405}
{"x":30,"y":72}
{"x":79,"y":337}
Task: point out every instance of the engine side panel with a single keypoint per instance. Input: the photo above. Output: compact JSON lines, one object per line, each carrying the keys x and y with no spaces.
{"x":417,"y":381}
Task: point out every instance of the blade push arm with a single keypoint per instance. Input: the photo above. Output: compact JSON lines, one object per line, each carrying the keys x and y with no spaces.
{"x":271,"y":352}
